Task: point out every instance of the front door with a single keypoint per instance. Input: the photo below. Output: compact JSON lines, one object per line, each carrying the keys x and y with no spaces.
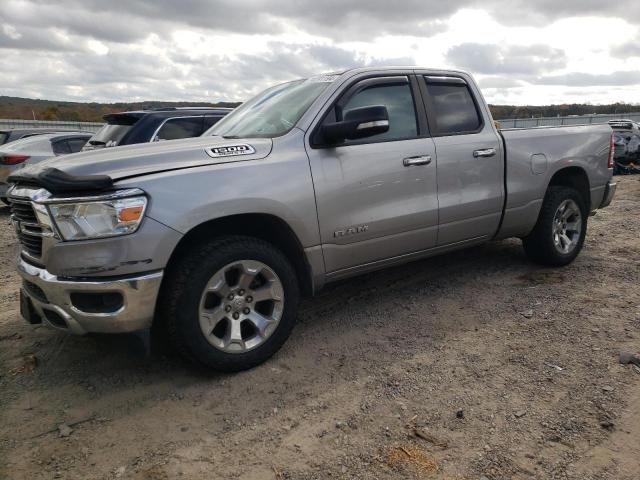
{"x":377,"y":197}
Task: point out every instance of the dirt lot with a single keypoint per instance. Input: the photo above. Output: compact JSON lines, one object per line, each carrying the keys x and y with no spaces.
{"x":505,"y":370}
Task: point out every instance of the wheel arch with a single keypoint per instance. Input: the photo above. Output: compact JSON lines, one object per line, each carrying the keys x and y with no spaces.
{"x":267,"y":227}
{"x":576,"y":178}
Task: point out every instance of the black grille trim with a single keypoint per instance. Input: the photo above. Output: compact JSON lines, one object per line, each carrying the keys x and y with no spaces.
{"x":35,"y":291}
{"x":22,"y":212}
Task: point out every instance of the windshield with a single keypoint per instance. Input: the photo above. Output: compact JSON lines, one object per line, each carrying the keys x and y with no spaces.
{"x":273,"y":112}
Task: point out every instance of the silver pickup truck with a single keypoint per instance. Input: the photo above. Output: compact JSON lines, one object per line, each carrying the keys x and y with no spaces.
{"x":214,"y":239}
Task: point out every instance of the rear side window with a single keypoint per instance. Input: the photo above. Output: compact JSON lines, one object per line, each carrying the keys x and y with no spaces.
{"x":399,"y":102}
{"x":175,"y":128}
{"x":76,"y":144}
{"x":453,"y":109}
{"x":60,"y":147}
{"x":3,"y":137}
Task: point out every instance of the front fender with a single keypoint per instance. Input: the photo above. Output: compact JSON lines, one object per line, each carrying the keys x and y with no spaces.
{"x":279,"y":185}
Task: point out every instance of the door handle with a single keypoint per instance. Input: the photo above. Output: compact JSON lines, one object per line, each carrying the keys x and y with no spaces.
{"x":485,"y":152}
{"x":419,"y":160}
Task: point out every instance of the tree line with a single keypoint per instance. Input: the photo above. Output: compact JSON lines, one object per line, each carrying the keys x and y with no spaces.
{"x":36,"y":109}
{"x":514,"y":111}
{"x":30,"y":109}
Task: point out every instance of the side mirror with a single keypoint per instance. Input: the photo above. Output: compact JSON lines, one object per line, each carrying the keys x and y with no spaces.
{"x":358,"y":123}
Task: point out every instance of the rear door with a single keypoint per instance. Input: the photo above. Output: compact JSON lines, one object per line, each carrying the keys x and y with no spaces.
{"x":470,"y":160}
{"x":375,"y":200}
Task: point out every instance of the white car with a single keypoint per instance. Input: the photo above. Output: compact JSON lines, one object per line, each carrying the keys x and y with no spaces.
{"x":34,"y":149}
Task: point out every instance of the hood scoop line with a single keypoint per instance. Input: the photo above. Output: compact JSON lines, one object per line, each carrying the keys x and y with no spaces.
{"x":57,"y":181}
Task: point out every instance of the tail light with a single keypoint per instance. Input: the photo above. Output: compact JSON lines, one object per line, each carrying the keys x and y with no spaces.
{"x":12,"y":159}
{"x":612,"y":151}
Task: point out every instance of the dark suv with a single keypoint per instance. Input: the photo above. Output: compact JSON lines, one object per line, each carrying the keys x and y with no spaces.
{"x":143,"y":126}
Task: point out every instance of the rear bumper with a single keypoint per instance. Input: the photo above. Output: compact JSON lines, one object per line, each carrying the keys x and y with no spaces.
{"x":609,"y":192}
{"x":48,"y":299}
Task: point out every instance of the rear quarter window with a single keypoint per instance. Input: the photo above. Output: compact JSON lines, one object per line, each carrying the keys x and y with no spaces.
{"x":3,"y":137}
{"x":175,"y":128}
{"x":453,"y":108}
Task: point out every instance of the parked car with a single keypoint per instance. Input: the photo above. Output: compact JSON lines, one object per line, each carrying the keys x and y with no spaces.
{"x":626,"y":138}
{"x":34,"y":149}
{"x":216,"y":238}
{"x":144,"y":126}
{"x":13,"y":134}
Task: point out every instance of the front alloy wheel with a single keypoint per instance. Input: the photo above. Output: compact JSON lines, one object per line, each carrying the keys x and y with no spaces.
{"x":241,"y":306}
{"x":230,"y":303}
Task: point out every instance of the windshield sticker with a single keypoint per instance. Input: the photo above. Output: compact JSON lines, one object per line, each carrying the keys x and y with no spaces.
{"x":230,"y":150}
{"x":322,"y":78}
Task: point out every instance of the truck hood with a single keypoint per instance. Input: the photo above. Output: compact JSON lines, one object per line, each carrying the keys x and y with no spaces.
{"x":147,"y":158}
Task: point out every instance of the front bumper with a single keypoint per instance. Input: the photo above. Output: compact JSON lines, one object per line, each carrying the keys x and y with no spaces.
{"x":52,"y":300}
{"x":609,"y":193}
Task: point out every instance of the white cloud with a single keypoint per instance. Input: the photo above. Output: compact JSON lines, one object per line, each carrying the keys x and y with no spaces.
{"x":522,"y":52}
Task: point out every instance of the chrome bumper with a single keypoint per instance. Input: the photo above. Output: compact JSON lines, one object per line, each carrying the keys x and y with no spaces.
{"x":609,"y":192}
{"x":47,"y":298}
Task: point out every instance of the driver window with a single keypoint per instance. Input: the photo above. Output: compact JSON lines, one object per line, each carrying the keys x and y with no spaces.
{"x":399,"y":102}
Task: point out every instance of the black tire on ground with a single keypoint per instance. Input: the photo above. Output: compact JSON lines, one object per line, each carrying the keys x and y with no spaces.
{"x":539,"y":245}
{"x":185,"y":282}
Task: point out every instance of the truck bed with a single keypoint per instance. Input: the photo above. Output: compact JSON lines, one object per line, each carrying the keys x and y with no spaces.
{"x":534,"y":155}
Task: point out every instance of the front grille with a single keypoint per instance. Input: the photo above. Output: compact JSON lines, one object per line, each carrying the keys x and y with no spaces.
{"x":27,"y":226}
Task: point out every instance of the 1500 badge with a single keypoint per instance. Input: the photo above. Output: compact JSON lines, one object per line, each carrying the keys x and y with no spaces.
{"x":230,"y":150}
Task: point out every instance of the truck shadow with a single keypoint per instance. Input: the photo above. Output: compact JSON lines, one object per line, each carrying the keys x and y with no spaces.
{"x":128,"y":355}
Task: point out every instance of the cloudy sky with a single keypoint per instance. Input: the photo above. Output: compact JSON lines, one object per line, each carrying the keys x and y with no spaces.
{"x":521,"y":51}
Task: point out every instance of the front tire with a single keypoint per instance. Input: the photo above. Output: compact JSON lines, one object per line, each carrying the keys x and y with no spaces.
{"x":230,"y":304}
{"x":559,"y":234}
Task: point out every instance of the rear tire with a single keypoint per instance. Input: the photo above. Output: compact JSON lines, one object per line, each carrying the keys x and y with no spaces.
{"x":559,"y":234}
{"x":208,"y":306}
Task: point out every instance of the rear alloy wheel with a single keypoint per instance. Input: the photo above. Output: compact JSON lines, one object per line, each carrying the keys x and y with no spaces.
{"x":229,"y":304}
{"x":567,"y":227}
{"x":559,"y":234}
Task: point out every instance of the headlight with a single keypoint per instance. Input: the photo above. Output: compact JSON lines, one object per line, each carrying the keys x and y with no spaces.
{"x":99,"y":219}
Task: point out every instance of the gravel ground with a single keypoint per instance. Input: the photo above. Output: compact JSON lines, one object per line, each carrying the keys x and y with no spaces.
{"x":475,"y":365}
